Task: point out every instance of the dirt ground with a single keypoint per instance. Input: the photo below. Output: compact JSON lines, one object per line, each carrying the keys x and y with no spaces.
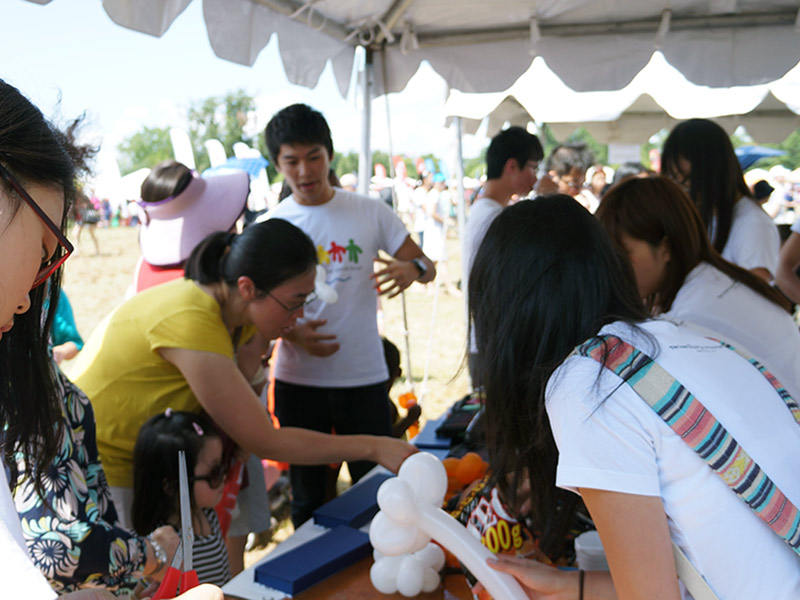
{"x":96,"y":284}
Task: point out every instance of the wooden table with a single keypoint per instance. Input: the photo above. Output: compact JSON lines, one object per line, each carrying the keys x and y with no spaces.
{"x":353,"y":584}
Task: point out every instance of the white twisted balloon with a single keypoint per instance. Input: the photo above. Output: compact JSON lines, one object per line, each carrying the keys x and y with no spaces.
{"x":410,"y":516}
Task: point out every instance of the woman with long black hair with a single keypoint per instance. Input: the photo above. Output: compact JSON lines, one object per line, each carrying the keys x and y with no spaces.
{"x":566,"y":343}
{"x":37,"y":187}
{"x":699,"y":156}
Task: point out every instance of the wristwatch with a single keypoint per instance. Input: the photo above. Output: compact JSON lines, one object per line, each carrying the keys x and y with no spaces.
{"x":421,"y":267}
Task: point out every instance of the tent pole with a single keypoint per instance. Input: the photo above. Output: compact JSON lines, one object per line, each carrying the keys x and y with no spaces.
{"x":461,"y":218}
{"x":393,"y":174}
{"x":365,"y":154}
{"x":461,"y":209}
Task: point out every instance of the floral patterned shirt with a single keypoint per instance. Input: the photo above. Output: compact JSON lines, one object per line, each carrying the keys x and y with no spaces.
{"x":73,"y":536}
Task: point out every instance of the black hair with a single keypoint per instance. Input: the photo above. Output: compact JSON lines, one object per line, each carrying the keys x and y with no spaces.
{"x":156,"y":493}
{"x":514,"y":142}
{"x":715,"y":181}
{"x":655,"y":210}
{"x":35,"y":152}
{"x":167,"y":178}
{"x":297,"y":124}
{"x":269,"y":253}
{"x":545,"y":278}
{"x":566,"y":157}
{"x":392,"y":357}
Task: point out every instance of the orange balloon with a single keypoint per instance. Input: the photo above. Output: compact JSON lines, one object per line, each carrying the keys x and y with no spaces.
{"x":450,"y":465}
{"x":470,"y":468}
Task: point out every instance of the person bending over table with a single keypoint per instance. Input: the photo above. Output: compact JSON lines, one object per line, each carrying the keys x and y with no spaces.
{"x":174,"y":346}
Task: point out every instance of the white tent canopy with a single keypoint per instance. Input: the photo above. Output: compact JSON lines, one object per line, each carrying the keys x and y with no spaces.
{"x":485,"y":45}
{"x":658,"y":97}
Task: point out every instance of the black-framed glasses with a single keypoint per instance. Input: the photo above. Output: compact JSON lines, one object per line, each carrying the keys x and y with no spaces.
{"x":215,"y":477}
{"x":64,"y":248}
{"x":290,"y":309}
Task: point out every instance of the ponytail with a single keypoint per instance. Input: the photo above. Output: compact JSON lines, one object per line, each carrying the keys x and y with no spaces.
{"x":269,"y":253}
{"x":205,"y":264}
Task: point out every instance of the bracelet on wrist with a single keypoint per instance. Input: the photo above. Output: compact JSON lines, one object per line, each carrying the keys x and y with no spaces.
{"x":159,"y":554}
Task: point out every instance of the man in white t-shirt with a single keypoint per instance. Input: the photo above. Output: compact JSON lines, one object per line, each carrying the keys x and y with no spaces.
{"x":511,"y":163}
{"x":330,"y":369}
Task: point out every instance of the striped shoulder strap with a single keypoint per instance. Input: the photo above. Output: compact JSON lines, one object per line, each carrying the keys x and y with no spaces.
{"x":696,"y":426}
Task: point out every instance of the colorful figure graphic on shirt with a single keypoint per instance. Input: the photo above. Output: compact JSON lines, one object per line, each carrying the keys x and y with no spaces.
{"x":322,"y":255}
{"x":353,"y":251}
{"x":336,"y":252}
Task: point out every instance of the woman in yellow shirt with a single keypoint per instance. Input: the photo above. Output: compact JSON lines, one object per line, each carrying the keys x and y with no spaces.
{"x":173,"y":346}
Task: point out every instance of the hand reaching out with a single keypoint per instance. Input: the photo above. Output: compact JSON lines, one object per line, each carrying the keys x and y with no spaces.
{"x":312,"y":341}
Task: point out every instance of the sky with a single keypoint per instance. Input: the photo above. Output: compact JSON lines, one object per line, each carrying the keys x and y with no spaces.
{"x":70,"y":51}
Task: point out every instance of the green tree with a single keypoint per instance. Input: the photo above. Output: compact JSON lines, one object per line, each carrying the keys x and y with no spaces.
{"x":582,"y":136}
{"x":790,"y":160}
{"x":223,"y":118}
{"x":475,"y":167}
{"x":144,"y":149}
{"x":345,"y":163}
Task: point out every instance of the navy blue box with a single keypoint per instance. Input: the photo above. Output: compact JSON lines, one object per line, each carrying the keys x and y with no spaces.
{"x":355,"y":507}
{"x":427,"y":439}
{"x":307,"y":565}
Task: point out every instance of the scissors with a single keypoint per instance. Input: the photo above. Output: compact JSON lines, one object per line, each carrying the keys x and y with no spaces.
{"x":181,"y":570}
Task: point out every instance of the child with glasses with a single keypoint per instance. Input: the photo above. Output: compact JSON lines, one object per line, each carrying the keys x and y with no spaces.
{"x":156,"y":491}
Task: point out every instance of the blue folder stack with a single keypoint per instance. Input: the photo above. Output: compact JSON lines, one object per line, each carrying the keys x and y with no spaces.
{"x":307,"y":565}
{"x":355,"y":507}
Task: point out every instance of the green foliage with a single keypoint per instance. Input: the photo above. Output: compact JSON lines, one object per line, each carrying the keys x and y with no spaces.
{"x":144,"y":149}
{"x":345,"y":163}
{"x":475,"y":167}
{"x":790,"y":160}
{"x":579,"y":136}
{"x":219,"y":117}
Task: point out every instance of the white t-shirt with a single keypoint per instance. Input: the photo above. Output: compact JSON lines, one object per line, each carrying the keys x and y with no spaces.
{"x":348,"y":231}
{"x":740,"y":316}
{"x":482,"y":213}
{"x":753,"y":240}
{"x":419,"y":198}
{"x":609,"y":439}
{"x":438,"y":203}
{"x":796,"y":226}
{"x":19,"y":578}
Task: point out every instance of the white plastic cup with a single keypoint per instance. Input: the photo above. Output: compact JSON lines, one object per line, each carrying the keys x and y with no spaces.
{"x":589,"y":552}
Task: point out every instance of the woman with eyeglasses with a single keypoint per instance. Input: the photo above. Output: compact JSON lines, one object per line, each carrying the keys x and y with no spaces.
{"x":174,"y":346}
{"x":37,"y":175}
{"x":699,"y":156}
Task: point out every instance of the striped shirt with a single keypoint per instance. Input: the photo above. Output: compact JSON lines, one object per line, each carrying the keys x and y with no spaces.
{"x":210,"y":556}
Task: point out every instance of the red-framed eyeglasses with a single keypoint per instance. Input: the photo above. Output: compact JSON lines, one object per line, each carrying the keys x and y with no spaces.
{"x":64,"y":248}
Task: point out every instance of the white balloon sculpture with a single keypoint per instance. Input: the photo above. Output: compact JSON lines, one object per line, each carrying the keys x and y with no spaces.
{"x":409,"y":517}
{"x":324,"y":292}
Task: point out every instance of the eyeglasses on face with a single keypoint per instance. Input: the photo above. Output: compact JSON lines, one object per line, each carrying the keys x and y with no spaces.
{"x":64,"y":248}
{"x":290,"y":309}
{"x":215,"y":477}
